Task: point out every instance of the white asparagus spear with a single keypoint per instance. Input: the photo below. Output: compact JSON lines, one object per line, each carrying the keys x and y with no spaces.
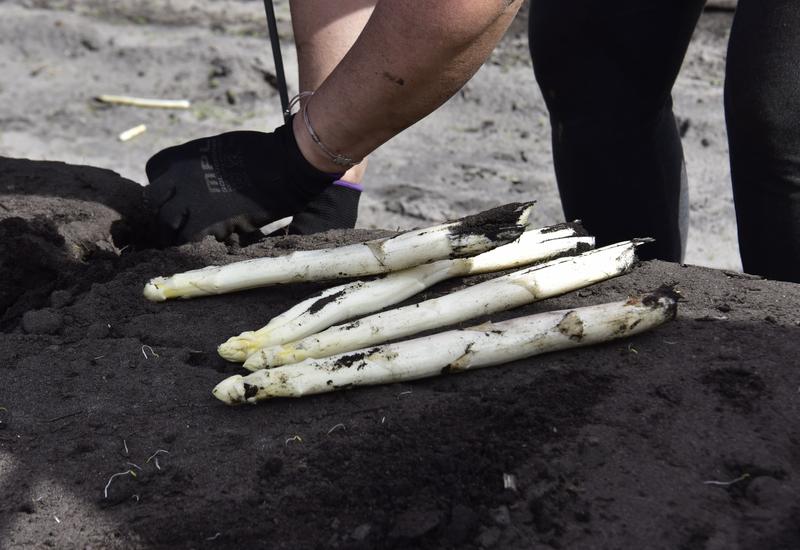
{"x":499,"y":294}
{"x":358,"y":298}
{"x":145,"y":102}
{"x":131,"y":133}
{"x":454,"y":351}
{"x":466,"y":237}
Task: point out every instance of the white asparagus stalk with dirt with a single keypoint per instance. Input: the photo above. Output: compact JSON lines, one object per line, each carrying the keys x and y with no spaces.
{"x":358,"y":298}
{"x":454,"y":351}
{"x":466,"y":237}
{"x":499,"y":294}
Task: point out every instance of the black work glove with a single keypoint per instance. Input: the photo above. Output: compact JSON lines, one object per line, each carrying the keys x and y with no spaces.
{"x":233,"y":182}
{"x":334,"y":208}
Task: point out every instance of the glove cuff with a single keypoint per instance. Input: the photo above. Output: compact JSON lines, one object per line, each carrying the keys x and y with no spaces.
{"x":296,"y":165}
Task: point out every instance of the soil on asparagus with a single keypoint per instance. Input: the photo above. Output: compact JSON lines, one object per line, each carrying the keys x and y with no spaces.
{"x":686,"y":437}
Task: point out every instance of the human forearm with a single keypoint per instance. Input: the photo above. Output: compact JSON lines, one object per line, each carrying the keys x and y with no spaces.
{"x":410,"y":58}
{"x":324,"y":31}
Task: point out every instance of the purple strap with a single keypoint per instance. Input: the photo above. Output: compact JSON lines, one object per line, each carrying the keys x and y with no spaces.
{"x":349,"y":185}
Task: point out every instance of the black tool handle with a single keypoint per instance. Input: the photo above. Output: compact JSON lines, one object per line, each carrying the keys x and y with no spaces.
{"x":272,"y":27}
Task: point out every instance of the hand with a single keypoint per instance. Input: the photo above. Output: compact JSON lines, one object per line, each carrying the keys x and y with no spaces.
{"x":232,"y":182}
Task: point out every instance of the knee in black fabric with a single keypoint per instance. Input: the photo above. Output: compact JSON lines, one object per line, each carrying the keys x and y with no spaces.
{"x":624,"y":182}
{"x":764,"y":128}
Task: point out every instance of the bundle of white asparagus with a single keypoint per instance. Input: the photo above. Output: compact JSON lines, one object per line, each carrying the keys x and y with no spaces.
{"x":303,"y":350}
{"x":499,"y":294}
{"x":454,"y":351}
{"x":351,"y":300}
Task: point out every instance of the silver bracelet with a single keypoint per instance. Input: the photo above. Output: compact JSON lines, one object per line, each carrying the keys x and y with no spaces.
{"x":336,"y":158}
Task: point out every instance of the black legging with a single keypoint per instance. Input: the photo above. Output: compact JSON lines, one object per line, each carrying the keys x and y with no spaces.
{"x":606,"y":70}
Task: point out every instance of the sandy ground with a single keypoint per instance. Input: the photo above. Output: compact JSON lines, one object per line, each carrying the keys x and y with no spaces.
{"x":685,"y":437}
{"x":489,"y":145}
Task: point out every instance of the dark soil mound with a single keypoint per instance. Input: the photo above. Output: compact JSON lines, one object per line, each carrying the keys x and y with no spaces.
{"x":685,"y":437}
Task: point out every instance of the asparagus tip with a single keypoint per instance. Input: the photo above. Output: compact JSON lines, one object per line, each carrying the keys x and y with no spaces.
{"x":233,"y":350}
{"x":254,"y":362}
{"x":230,"y":391}
{"x":152,"y":291}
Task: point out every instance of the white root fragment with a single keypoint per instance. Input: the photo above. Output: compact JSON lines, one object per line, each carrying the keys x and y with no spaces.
{"x":131,"y":133}
{"x":358,"y":298}
{"x":454,"y":351}
{"x":502,"y":293}
{"x":114,"y":476}
{"x":466,"y":237}
{"x":144,"y":102}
